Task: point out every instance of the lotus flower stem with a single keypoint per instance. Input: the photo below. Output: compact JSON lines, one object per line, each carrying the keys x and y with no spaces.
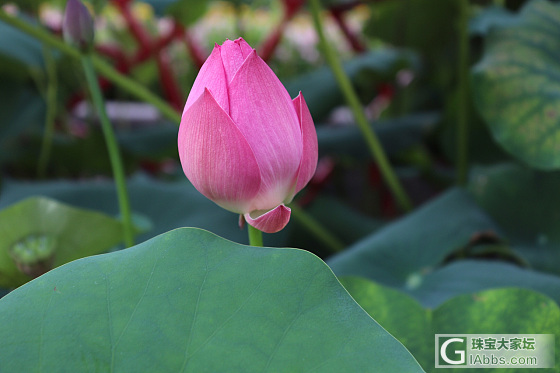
{"x":50,"y":99}
{"x":255,"y":236}
{"x":352,"y":98}
{"x":463,"y":93}
{"x":112,"y":146}
{"x":102,"y":67}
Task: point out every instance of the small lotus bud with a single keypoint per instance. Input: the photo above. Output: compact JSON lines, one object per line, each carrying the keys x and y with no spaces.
{"x":77,"y":26}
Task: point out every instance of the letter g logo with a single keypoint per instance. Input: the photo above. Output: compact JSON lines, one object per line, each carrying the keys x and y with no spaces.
{"x":461,"y":353}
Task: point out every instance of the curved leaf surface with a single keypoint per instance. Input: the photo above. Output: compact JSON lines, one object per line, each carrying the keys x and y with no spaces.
{"x":517,"y":85}
{"x":189,"y":301}
{"x":526,"y":204}
{"x":413,"y":254}
{"x":468,"y":276}
{"x":75,"y":233}
{"x":417,"y":243}
{"x":488,"y":312}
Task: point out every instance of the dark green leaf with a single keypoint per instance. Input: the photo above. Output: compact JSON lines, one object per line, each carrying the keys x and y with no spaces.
{"x":413,"y":254}
{"x":526,"y":204}
{"x":151,"y":141}
{"x":421,"y":24}
{"x":23,"y":112}
{"x":396,"y":135}
{"x":341,"y":220}
{"x":20,"y":48}
{"x":321,"y":90}
{"x":193,"y":302}
{"x":417,"y":243}
{"x":491,"y":16}
{"x":468,"y":276}
{"x":517,"y":85}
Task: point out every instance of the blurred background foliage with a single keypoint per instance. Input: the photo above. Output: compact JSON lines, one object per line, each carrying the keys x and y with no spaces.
{"x":499,"y":229}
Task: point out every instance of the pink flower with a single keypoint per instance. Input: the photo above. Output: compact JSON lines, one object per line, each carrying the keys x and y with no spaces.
{"x":243,"y":142}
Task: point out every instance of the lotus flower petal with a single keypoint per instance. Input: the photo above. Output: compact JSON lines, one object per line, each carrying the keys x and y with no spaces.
{"x":310,"y":146}
{"x":212,"y":77}
{"x":271,"y":221}
{"x":233,"y":54}
{"x":246,"y":49}
{"x":215,"y":156}
{"x":263,"y":111}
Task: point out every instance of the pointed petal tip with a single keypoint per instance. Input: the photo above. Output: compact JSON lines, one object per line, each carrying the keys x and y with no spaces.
{"x":299,"y":99}
{"x":310,"y":156}
{"x":212,"y":76}
{"x":271,"y":221}
{"x":246,"y":49}
{"x":240,"y":41}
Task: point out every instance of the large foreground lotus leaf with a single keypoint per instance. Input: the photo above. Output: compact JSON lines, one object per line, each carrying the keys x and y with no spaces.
{"x":189,"y":301}
{"x":495,"y":311}
{"x":517,"y":84}
{"x":53,"y":233}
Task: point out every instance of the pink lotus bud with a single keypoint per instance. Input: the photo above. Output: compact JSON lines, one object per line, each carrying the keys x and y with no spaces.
{"x":77,"y":27}
{"x":243,"y":142}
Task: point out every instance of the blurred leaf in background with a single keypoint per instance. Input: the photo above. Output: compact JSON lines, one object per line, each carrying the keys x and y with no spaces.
{"x":448,"y":247}
{"x":526,"y":205}
{"x":485,"y":312}
{"x":517,"y":84}
{"x":38,"y":234}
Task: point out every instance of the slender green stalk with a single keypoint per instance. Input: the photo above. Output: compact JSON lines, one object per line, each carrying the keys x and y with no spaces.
{"x":255,"y":236}
{"x":102,"y":67}
{"x":361,"y":120}
{"x":463,"y":94}
{"x":113,"y":148}
{"x":316,"y":229}
{"x":50,"y":99}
